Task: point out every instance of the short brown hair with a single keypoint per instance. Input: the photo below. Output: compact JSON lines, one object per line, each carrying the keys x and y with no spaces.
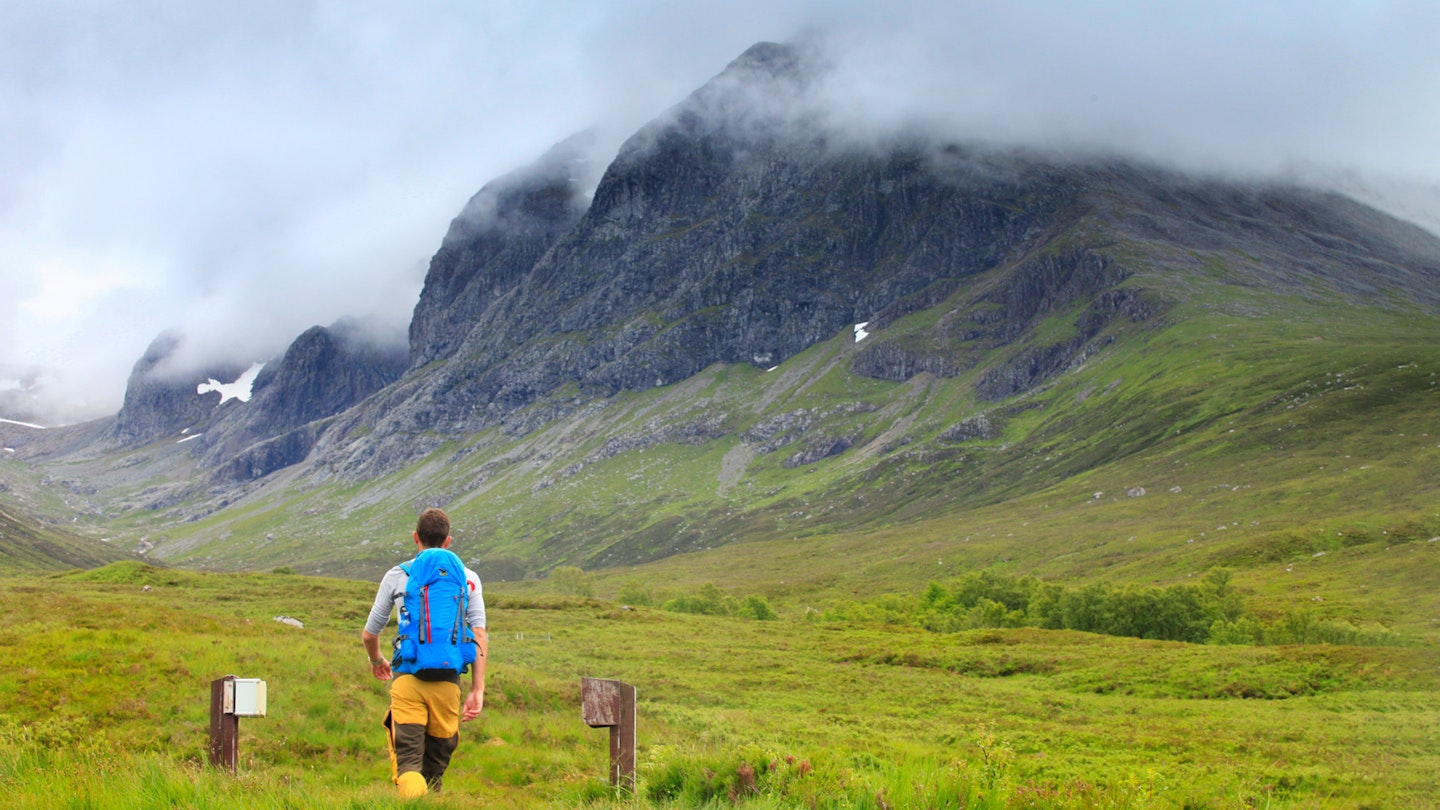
{"x":432,"y":528}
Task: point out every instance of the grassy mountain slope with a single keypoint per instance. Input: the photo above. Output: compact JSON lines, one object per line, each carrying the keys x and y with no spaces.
{"x":27,"y":545}
{"x":105,"y":685}
{"x":49,"y":523}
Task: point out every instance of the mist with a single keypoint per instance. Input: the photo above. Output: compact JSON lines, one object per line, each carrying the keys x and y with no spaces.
{"x":240,"y":174}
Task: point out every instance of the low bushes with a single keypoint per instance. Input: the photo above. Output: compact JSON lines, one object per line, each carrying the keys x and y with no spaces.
{"x":1207,"y":611}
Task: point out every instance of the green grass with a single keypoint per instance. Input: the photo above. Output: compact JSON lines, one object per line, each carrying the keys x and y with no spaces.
{"x":105,"y":688}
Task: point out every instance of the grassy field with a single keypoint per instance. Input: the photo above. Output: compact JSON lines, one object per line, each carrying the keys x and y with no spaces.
{"x":104,"y":686}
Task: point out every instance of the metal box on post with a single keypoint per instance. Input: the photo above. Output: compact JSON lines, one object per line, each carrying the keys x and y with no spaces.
{"x":245,"y":697}
{"x":232,"y":698}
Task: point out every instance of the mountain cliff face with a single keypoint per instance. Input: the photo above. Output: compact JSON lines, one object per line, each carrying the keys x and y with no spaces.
{"x":727,"y":231}
{"x":160,"y":401}
{"x":738,"y":229}
{"x":323,"y":372}
{"x":502,"y":231}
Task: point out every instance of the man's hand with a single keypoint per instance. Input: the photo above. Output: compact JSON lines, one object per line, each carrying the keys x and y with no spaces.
{"x":474,"y":701}
{"x":381,"y":668}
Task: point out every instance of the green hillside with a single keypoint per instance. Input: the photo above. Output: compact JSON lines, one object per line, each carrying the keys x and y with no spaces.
{"x":105,"y":688}
{"x":26,"y":545}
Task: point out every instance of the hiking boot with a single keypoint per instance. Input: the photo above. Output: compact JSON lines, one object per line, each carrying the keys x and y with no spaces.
{"x":411,"y":784}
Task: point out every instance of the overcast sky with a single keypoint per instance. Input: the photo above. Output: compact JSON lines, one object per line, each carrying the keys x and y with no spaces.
{"x":245,"y":170}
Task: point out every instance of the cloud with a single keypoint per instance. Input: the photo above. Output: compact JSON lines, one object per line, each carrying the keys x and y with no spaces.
{"x":244,"y":171}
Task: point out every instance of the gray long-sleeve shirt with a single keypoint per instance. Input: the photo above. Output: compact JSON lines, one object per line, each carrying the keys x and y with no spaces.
{"x":392,"y":592}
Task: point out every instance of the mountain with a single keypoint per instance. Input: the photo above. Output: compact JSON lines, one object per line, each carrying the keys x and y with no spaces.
{"x":735,"y":232}
{"x":162,"y":401}
{"x":672,"y":364}
{"x":324,"y":371}
{"x":502,"y":231}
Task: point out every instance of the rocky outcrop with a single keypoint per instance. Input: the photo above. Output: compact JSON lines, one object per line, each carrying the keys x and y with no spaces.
{"x":161,"y":400}
{"x":729,"y":230}
{"x":1008,"y":311}
{"x":324,"y":371}
{"x":979,"y":426}
{"x":264,"y":457}
{"x":502,"y":231}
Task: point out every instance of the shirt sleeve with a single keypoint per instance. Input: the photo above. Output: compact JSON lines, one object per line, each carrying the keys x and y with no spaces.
{"x":475,"y":615}
{"x":392,"y":590}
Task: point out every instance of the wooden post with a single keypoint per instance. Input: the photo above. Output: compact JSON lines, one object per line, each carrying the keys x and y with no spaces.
{"x":224,"y":727}
{"x":611,"y":704}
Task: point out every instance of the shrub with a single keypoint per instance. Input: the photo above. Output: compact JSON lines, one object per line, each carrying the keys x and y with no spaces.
{"x":635,"y":592}
{"x":571,"y":581}
{"x":756,"y":607}
{"x":1190,"y":612}
{"x":1299,"y":627}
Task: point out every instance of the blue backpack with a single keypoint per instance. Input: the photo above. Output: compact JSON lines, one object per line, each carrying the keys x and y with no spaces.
{"x":433,"y":633}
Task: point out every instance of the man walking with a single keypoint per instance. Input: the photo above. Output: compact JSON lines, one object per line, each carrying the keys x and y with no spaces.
{"x":425,"y":695}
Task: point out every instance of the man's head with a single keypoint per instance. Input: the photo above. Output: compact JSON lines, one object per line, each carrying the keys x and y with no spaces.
{"x":432,"y":529}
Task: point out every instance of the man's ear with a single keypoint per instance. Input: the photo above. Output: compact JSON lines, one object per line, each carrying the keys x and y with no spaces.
{"x":416,"y":535}
{"x":447,"y":542}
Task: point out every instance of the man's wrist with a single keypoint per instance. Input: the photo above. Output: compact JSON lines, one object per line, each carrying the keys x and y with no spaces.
{"x":375,"y":662}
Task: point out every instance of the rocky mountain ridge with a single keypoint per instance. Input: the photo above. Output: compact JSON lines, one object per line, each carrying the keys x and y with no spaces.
{"x":323,"y":371}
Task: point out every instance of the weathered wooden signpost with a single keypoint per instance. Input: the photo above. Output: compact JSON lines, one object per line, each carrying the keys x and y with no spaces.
{"x":611,"y":704}
{"x":232,"y":698}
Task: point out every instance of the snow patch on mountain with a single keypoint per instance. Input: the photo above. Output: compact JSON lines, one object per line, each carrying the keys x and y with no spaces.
{"x":240,"y":389}
{"x":22,"y":424}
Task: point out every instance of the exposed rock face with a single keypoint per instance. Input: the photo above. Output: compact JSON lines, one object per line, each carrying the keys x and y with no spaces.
{"x":504,"y":229}
{"x":264,"y":457}
{"x":163,"y":402}
{"x":728,"y":230}
{"x":323,"y":372}
{"x":736,"y":228}
{"x":1034,"y":289}
{"x":979,"y":426}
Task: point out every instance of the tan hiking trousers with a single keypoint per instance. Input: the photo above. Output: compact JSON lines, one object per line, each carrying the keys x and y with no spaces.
{"x":423,"y":726}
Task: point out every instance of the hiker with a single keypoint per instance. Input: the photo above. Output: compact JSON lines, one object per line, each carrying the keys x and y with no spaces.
{"x":433,"y":648}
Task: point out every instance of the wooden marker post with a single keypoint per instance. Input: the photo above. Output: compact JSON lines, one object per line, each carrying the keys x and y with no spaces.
{"x":611,"y":704}
{"x":224,"y":726}
{"x":232,"y":698}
